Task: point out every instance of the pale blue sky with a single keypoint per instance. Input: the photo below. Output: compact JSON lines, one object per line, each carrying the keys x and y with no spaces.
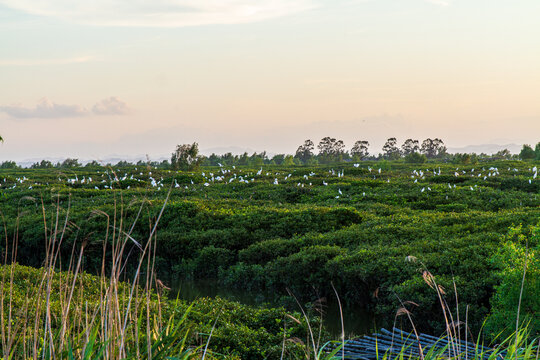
{"x":92,"y":78}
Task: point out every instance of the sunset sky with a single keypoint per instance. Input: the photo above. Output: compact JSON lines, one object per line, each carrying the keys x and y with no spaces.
{"x":89,"y":79}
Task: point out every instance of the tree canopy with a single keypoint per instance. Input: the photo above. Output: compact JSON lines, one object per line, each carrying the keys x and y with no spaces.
{"x":331,"y":149}
{"x":360,"y":149}
{"x":410,"y":146}
{"x":527,"y":152}
{"x":186,"y":157}
{"x":305,"y":151}
{"x":433,"y":148}
{"x":390,"y":149}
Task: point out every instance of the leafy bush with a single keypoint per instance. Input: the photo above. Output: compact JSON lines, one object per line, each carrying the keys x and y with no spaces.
{"x":415,"y":158}
{"x":519,"y":253}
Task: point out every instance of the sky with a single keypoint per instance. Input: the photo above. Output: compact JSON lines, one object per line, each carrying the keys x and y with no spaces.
{"x":91,"y":79}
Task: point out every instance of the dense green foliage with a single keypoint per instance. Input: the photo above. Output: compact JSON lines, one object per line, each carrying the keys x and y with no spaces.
{"x":415,"y":158}
{"x":268,"y":230}
{"x":519,"y":255}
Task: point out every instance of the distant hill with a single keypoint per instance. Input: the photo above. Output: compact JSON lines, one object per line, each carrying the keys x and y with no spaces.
{"x":235,"y":150}
{"x":485,"y":148}
{"x":110,"y":159}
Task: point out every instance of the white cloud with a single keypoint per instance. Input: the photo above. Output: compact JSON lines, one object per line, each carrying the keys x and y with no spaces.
{"x":110,"y":106}
{"x":46,"y":109}
{"x":161,"y":13}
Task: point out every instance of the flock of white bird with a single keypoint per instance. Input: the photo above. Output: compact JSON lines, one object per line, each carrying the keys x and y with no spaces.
{"x":107,"y":178}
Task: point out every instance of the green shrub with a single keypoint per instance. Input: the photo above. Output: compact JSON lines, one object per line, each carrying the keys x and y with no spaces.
{"x":520,"y":251}
{"x":415,"y":158}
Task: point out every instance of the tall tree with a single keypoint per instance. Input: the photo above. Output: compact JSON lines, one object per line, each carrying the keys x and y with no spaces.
{"x":330,"y":146}
{"x":70,"y":163}
{"x":213,"y":159}
{"x":94,"y":163}
{"x":243,"y":159}
{"x":527,"y":152}
{"x":228,"y":159}
{"x":390,"y":149}
{"x":9,"y":165}
{"x":410,"y":146}
{"x":360,"y":149}
{"x":186,"y":157}
{"x":502,"y":154}
{"x":44,"y":164}
{"x":433,"y":148}
{"x":288,"y":160}
{"x":330,"y":149}
{"x":305,"y":151}
{"x":278,"y":159}
{"x":257,"y":159}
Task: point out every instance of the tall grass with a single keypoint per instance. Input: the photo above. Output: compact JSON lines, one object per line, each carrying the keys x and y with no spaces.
{"x":64,"y":314}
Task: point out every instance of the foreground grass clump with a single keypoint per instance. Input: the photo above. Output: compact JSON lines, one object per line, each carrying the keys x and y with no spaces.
{"x":49,"y":314}
{"x":389,"y":345}
{"x":59,"y":315}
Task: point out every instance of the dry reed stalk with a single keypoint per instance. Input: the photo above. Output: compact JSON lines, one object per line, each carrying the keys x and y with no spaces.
{"x":77,"y":318}
{"x":404,"y":311}
{"x":342,"y":323}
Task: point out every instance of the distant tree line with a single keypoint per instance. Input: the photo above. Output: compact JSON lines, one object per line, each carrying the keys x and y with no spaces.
{"x":329,"y":150}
